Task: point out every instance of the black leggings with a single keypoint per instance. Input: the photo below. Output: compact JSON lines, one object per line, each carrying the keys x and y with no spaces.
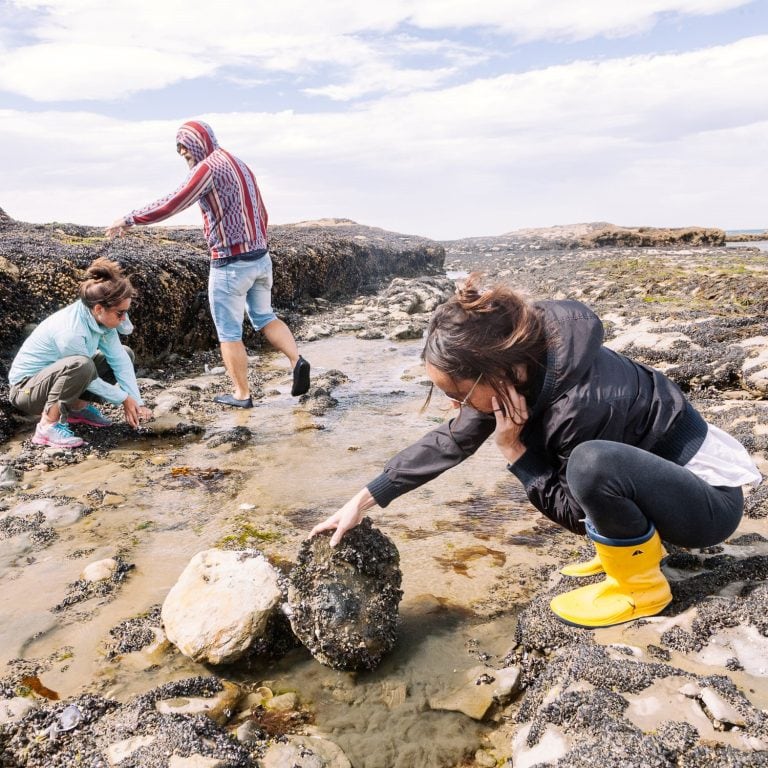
{"x":621,"y":488}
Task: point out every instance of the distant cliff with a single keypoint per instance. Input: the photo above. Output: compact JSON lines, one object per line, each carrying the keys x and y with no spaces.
{"x":746,"y":237}
{"x":600,"y":234}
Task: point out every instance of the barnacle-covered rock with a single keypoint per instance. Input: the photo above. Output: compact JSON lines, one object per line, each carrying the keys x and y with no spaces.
{"x":344,"y":600}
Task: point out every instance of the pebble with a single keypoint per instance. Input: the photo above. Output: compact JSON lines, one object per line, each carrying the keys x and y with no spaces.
{"x":285,"y":702}
{"x":720,"y":709}
{"x":120,"y":750}
{"x":196,"y":761}
{"x":112,"y":500}
{"x":16,"y":708}
{"x":219,"y":707}
{"x":485,"y":759}
{"x":249,"y":733}
{"x":99,"y":570}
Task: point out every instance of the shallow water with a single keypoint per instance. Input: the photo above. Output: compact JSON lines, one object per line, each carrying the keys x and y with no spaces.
{"x":469,"y":546}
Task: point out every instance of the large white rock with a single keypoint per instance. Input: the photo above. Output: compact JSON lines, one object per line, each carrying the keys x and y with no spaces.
{"x":221,"y":604}
{"x":551,"y":746}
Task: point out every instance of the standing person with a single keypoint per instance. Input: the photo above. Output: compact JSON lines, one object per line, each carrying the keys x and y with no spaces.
{"x":75,"y":355}
{"x":240,"y":278}
{"x":601,"y":444}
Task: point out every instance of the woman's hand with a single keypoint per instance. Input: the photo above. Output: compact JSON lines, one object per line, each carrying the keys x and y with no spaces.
{"x":347,"y":517}
{"x":135,"y":413}
{"x":509,"y":426}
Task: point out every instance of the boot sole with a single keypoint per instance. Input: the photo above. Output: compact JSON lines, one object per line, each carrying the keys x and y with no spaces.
{"x":646,"y":612}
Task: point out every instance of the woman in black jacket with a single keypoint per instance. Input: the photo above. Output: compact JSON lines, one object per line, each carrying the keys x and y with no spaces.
{"x":601,"y":444}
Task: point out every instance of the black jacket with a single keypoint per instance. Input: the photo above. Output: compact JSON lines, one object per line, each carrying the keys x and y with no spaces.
{"x":588,"y":392}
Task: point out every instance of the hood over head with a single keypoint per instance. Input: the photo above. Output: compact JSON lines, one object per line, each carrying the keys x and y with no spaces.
{"x":198,"y":137}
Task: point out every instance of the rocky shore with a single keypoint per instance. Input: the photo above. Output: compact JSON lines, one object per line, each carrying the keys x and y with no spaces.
{"x":687,"y":688}
{"x":41,"y":267}
{"x":746,"y":237}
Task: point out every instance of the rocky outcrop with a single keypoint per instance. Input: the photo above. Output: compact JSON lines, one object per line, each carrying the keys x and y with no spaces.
{"x":645,"y":237}
{"x":5,"y":220}
{"x":41,"y":267}
{"x":593,"y":235}
{"x":400,"y":311}
{"x":746,"y":237}
{"x":337,"y":258}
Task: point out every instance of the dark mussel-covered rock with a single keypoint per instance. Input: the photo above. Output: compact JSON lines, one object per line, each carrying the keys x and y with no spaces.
{"x":344,"y":600}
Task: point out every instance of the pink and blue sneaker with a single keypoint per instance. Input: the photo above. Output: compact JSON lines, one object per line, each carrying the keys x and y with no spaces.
{"x":57,"y":435}
{"x":89,"y":415}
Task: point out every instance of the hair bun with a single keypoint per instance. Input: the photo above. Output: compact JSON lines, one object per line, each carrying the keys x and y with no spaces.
{"x":468,"y":292}
{"x":104,"y":269}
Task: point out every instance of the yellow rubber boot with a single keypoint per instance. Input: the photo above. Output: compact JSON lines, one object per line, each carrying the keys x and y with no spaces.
{"x":634,"y":585}
{"x":587,"y":568}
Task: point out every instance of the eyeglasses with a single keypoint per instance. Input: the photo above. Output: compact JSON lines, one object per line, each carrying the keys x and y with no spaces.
{"x":465,"y":401}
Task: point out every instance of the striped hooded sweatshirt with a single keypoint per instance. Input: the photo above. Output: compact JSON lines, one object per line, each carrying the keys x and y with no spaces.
{"x":234,"y":216}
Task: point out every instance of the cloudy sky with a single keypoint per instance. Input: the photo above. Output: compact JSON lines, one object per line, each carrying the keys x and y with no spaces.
{"x":445,"y":118}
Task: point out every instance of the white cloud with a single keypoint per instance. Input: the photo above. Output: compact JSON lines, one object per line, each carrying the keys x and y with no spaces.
{"x":382,"y":78}
{"x":83,"y":45}
{"x":560,"y":19}
{"x":68,"y":71}
{"x":657,"y":140}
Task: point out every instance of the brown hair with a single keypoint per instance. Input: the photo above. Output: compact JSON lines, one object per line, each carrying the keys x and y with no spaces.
{"x":492,"y":332}
{"x":106,"y":284}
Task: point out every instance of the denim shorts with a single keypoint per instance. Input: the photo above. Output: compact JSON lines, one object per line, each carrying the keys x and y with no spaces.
{"x":237,"y":287}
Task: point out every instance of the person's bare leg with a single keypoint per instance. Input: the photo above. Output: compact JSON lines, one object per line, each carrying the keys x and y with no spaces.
{"x":279,"y":335}
{"x":53,"y":414}
{"x":50,"y":416}
{"x":236,"y":362}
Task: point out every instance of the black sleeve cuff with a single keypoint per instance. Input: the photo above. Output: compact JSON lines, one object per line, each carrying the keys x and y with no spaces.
{"x":528,"y":468}
{"x":383,"y":490}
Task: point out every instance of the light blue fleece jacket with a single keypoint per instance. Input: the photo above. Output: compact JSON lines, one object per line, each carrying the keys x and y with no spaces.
{"x":74,"y":331}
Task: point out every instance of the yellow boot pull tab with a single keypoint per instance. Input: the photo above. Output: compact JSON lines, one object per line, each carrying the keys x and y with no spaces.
{"x":580,"y":570}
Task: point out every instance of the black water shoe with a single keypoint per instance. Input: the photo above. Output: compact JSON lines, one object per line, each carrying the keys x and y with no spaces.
{"x":233,"y":401}
{"x":300,"y":377}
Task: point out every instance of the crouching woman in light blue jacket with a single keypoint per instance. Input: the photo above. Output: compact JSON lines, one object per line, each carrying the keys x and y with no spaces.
{"x":76,"y":356}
